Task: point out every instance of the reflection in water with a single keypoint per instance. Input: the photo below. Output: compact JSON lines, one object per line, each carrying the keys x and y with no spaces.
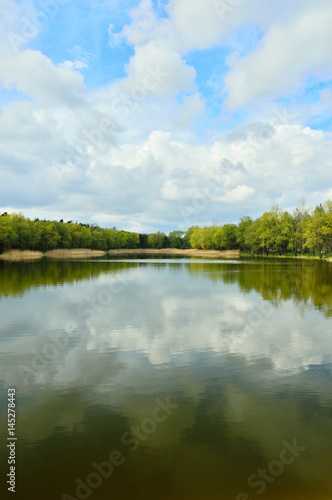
{"x":287,"y":279}
{"x":18,"y":277}
{"x":242,"y":350}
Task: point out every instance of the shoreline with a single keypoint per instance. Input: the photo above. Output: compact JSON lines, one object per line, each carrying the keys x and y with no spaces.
{"x":226,"y":254}
{"x":80,"y":253}
{"x":291,"y":257}
{"x":20,"y":255}
{"x":24,"y":255}
{"x":74,"y":253}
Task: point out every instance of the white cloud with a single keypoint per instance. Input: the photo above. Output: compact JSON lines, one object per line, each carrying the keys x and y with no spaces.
{"x":34,"y":74}
{"x":191,"y":107}
{"x":289,"y":52}
{"x":136,"y":153}
{"x":145,"y":25}
{"x":140,"y":185}
{"x":159,"y":71}
{"x":157,"y":66}
{"x":240,"y":193}
{"x":12,"y":18}
{"x":197,"y":24}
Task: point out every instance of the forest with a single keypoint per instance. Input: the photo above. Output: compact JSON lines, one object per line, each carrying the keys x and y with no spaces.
{"x":305,"y":231}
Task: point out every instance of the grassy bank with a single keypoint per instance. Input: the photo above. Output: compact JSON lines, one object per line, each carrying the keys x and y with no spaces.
{"x":75,"y":253}
{"x":18,"y":255}
{"x":83,"y":253}
{"x":80,"y":253}
{"x":294,"y":257}
{"x":227,"y":254}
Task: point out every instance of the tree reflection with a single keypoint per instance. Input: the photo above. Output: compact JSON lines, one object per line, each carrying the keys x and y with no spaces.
{"x":276,"y":281}
{"x":18,"y":277}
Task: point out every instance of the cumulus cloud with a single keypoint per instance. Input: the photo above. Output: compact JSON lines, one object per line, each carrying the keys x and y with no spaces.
{"x":240,"y":193}
{"x":289,"y":52}
{"x":191,"y":107}
{"x":145,"y":25}
{"x":35,"y":75}
{"x":159,"y":71}
{"x":158,"y":183}
{"x":293,"y":45}
{"x":143,"y":151}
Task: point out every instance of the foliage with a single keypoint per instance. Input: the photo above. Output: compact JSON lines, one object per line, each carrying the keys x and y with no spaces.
{"x":178,"y":239}
{"x":157,"y":240}
{"x":18,"y":232}
{"x":276,"y":232}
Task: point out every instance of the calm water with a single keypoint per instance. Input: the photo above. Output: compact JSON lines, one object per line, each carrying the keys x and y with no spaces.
{"x":168,"y":379}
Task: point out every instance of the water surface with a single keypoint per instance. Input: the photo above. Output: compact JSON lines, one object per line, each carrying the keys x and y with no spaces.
{"x":198,"y":377}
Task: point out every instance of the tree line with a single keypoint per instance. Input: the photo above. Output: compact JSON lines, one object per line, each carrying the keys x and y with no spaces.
{"x":21,"y":233}
{"x":275,"y":232}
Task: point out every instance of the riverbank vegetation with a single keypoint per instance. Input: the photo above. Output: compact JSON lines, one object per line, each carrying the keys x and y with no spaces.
{"x":18,"y":255}
{"x":190,"y":252}
{"x":277,"y":232}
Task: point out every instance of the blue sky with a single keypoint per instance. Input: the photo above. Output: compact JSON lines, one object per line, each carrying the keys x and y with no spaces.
{"x":165,"y":114}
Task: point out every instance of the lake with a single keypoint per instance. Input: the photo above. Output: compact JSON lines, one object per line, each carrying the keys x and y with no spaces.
{"x":168,"y":378}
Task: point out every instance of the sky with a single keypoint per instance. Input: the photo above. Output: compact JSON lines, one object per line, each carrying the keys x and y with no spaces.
{"x":164,"y":114}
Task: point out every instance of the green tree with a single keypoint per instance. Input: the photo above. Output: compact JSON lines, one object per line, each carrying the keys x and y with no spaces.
{"x":275,"y":230}
{"x":210,"y":237}
{"x":318,"y":229}
{"x":313,"y":236}
{"x":228,"y":237}
{"x":301,"y":215}
{"x":251,"y":237}
{"x":217,"y":239}
{"x":178,"y":239}
{"x":244,"y":223}
{"x":326,"y":227}
{"x":156,"y":240}
{"x":284,"y":240}
{"x":8,"y":234}
{"x":196,"y":237}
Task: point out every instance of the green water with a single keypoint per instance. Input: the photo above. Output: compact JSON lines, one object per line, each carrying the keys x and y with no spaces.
{"x":167,"y":379}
